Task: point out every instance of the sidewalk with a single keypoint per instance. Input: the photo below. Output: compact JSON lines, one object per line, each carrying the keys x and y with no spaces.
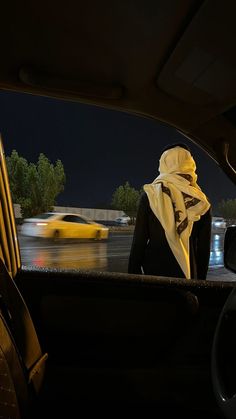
{"x":220,"y":274}
{"x":124,"y":229}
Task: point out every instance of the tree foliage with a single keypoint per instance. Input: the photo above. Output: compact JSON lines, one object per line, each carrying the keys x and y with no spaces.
{"x":126,"y":198}
{"x":227,"y":209}
{"x":35,"y":186}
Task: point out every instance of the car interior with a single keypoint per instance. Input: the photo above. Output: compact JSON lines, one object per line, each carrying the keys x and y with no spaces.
{"x":74,"y":340}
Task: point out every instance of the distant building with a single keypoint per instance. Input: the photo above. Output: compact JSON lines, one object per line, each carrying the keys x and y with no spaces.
{"x":93,"y":213}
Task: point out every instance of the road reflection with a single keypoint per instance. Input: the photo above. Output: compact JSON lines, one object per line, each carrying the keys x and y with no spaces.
{"x":217,"y":250}
{"x":73,"y":256}
{"x":105,"y":256}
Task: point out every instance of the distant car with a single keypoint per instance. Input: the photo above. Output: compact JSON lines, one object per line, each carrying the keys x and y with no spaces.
{"x":63,"y":226}
{"x":124,"y":220}
{"x":218,"y":222}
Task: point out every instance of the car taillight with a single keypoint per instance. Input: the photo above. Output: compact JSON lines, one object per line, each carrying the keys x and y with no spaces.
{"x":41,"y":224}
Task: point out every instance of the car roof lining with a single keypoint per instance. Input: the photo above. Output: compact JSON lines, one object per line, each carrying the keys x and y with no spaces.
{"x":171,"y":60}
{"x":201,"y":69}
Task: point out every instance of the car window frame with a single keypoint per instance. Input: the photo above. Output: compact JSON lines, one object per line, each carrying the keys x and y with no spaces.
{"x":9,"y":245}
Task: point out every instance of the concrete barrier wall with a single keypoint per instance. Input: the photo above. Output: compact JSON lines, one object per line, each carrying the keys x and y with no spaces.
{"x":92,"y":213}
{"x":17,"y":210}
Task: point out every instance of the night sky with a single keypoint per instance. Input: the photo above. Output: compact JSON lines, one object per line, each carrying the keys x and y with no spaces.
{"x":99,"y":149}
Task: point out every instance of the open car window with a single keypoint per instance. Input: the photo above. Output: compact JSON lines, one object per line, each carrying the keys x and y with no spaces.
{"x":92,"y":176}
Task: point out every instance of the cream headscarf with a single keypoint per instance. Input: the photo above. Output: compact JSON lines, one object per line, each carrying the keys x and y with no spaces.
{"x":177,"y":201}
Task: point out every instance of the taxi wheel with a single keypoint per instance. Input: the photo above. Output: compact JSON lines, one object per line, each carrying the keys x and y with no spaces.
{"x":56,"y":235}
{"x":98,"y":235}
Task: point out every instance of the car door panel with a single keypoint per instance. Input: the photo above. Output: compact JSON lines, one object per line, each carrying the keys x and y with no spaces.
{"x":80,"y":230}
{"x":122,"y":338}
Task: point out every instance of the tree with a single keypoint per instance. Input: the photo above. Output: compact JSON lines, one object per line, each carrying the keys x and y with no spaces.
{"x":126,"y":198}
{"x":227,"y":209}
{"x":35,"y":186}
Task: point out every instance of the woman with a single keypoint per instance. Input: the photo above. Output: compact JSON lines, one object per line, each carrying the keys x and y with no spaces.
{"x":173,"y":226}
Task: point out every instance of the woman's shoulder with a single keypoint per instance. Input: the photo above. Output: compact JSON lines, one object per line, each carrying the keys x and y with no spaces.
{"x":144,"y":205}
{"x":144,"y":198}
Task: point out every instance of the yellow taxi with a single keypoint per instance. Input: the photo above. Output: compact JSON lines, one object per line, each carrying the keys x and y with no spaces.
{"x":58,"y":225}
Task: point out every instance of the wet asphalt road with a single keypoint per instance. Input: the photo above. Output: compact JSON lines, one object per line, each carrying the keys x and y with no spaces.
{"x":110,"y":256}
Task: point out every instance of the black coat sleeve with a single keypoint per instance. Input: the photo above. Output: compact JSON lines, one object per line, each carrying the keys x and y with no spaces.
{"x":140,"y":237}
{"x":203,"y":247}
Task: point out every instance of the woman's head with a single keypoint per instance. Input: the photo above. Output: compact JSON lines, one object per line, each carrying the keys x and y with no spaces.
{"x":177,"y":159}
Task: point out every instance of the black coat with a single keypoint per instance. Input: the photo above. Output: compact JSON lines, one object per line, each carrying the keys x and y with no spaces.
{"x":150,"y":252}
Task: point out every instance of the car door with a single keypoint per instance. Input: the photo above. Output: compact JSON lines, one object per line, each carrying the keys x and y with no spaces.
{"x":118,"y":338}
{"x":77,"y":227}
